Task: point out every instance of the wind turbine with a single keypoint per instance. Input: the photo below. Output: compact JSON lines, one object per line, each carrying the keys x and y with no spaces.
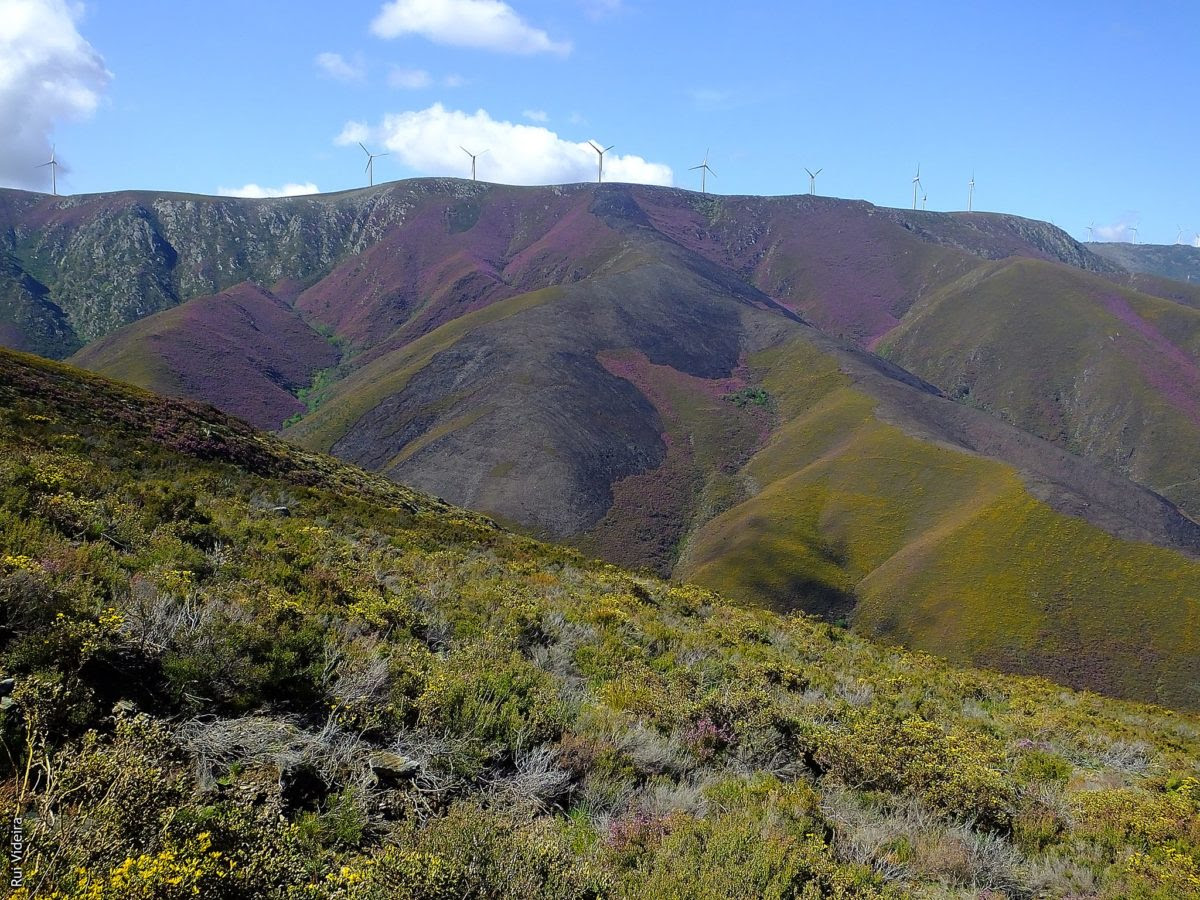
{"x":812,"y":179}
{"x":1179,"y":237}
{"x":370,"y":169}
{"x":600,"y":170}
{"x":53,"y":164}
{"x":924,"y":200}
{"x":970,"y":192}
{"x":474,"y":156}
{"x":704,"y":171}
{"x":916,"y":185}
{"x":1092,"y":232}
{"x":1134,"y":229}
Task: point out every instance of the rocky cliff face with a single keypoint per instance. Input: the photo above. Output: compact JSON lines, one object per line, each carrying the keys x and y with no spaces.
{"x":78,"y":268}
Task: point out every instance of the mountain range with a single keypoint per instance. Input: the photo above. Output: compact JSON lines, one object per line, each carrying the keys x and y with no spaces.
{"x":966,"y":433}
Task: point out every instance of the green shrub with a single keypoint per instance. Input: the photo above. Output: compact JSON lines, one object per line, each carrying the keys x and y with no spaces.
{"x":492,"y":696}
{"x":474,"y":853}
{"x":762,"y":842}
{"x":1041,"y":765}
{"x":950,"y":771}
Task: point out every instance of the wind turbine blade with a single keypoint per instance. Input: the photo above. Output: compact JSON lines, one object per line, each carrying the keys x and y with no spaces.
{"x":811,"y":174}
{"x":690,"y":168}
{"x":711,"y":172}
{"x":466,"y":151}
{"x":818,"y":172}
{"x":483,"y":152}
{"x":594,"y":147}
{"x":389,"y":153}
{"x":364,"y":149}
{"x":43,"y":165}
{"x":609,"y":147}
{"x":368,"y":166}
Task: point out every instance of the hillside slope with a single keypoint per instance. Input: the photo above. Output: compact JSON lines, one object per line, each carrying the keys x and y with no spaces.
{"x":850,"y":268}
{"x":1109,"y":373}
{"x":234,"y":668}
{"x":243,"y":345}
{"x":861,"y":497}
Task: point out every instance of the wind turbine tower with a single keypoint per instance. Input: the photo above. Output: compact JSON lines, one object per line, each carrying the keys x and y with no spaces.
{"x":474,"y":156}
{"x":600,"y":168}
{"x":1134,"y":229}
{"x":53,"y":164}
{"x":1179,"y":237}
{"x":370,"y":169}
{"x":812,"y":179}
{"x":916,"y":185}
{"x":971,"y":192}
{"x":1092,"y":232}
{"x":704,"y":171}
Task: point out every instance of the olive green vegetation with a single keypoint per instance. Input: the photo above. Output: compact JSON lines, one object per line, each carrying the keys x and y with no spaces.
{"x":242,"y":670}
{"x":942,"y":550}
{"x":142,"y":367}
{"x":1107,"y":372}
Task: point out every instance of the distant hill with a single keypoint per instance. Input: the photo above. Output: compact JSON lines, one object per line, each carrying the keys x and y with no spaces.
{"x":1178,"y":262}
{"x":244,"y":346}
{"x":1107,"y":372}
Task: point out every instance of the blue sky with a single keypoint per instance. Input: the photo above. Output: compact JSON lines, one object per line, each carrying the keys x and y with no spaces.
{"x":1065,"y":111}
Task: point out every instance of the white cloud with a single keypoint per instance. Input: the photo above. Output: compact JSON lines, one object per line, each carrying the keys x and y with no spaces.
{"x":536,"y":115}
{"x":354,"y":133}
{"x":337,"y":67}
{"x":431,"y":140}
{"x":454,"y":81}
{"x":409,"y":79}
{"x":256,"y":192}
{"x":48,"y":73}
{"x":483,"y":24}
{"x":1119,"y":232}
